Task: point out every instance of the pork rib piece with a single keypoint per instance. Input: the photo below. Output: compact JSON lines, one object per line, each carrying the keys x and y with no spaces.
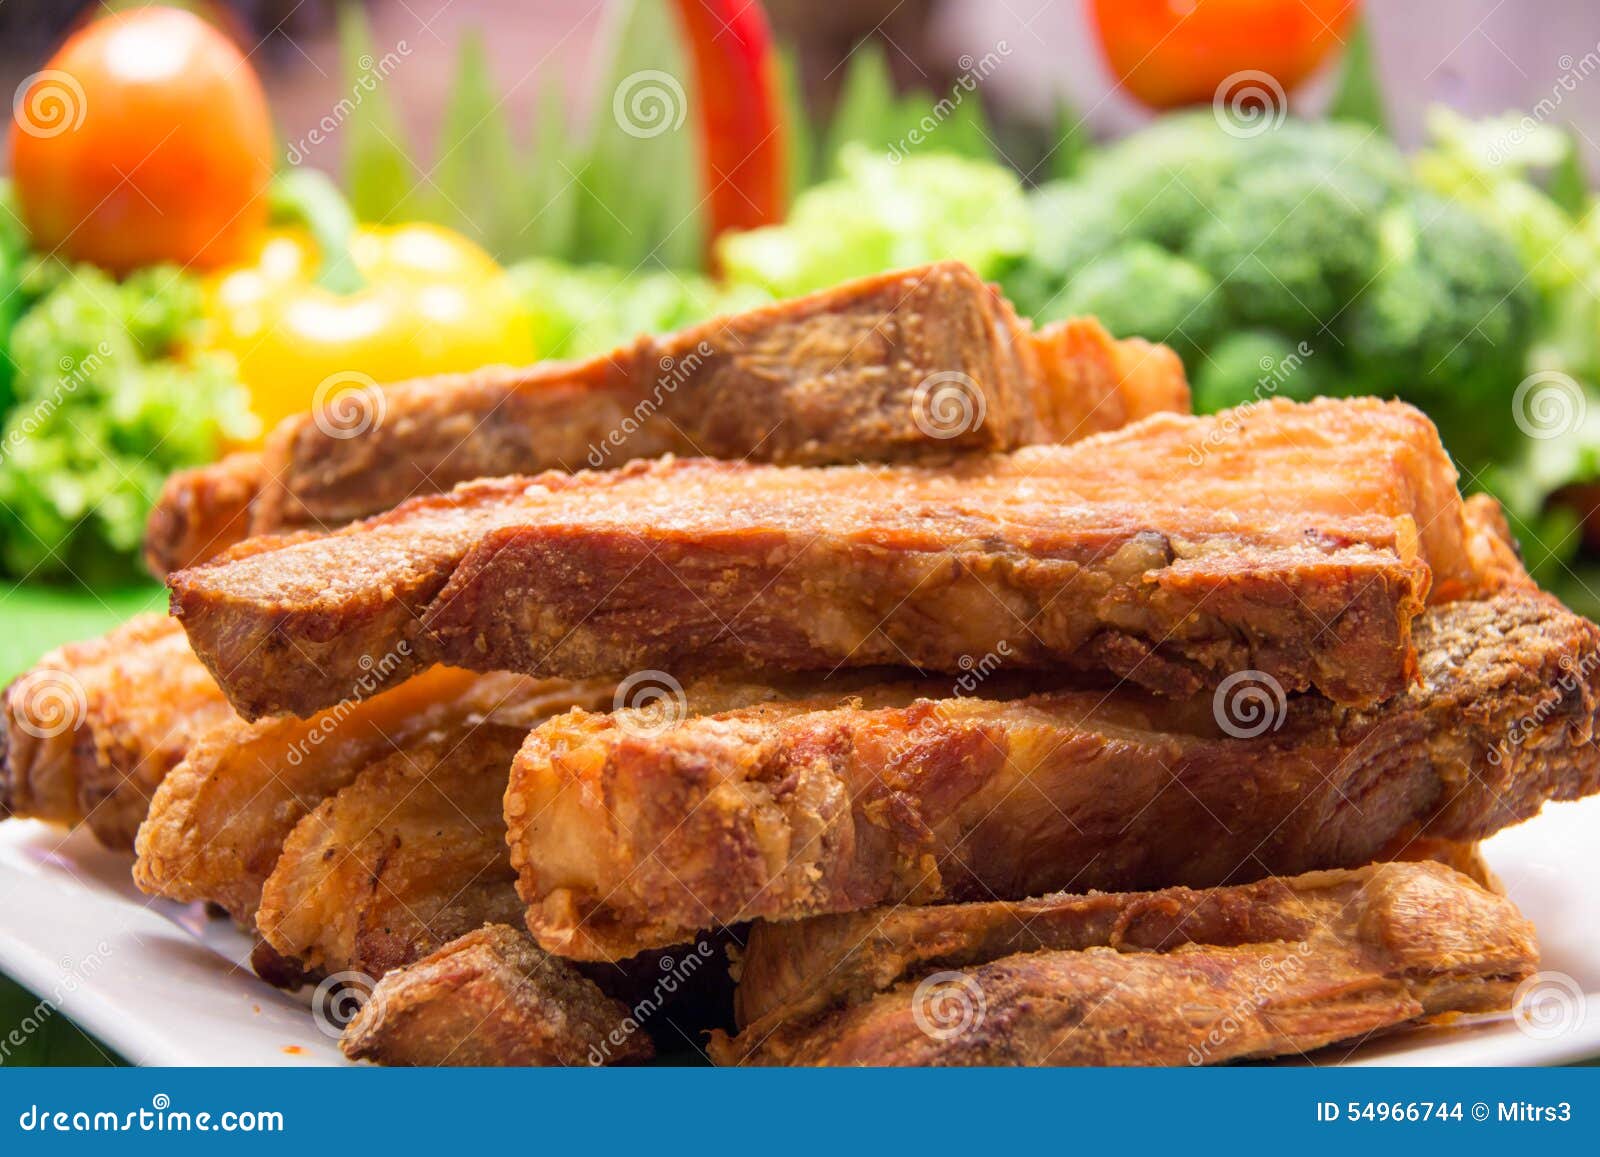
{"x":1172,"y":977}
{"x":492,"y":997}
{"x":627,"y":837}
{"x":829,"y":378}
{"x":95,"y":726}
{"x":218,"y":822}
{"x":402,"y":860}
{"x":1297,"y":540}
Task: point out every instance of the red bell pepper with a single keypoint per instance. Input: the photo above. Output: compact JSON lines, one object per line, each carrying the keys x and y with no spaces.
{"x":740,"y":112}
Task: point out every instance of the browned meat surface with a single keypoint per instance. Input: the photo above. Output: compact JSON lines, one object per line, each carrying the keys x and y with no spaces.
{"x":627,"y":838}
{"x":1300,"y":543}
{"x":202,"y":512}
{"x":829,"y":378}
{"x":91,"y":730}
{"x":408,"y":856}
{"x":219,"y":820}
{"x":1170,"y":977}
{"x":492,"y":998}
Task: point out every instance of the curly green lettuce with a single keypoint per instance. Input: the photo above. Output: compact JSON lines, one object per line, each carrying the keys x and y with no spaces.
{"x":108,"y":399}
{"x":883,"y":213}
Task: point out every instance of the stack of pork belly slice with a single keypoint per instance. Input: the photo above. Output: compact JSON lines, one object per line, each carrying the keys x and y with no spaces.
{"x":1070,"y":627}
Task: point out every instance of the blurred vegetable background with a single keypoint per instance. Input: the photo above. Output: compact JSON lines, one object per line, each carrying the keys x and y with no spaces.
{"x":178,"y":271}
{"x":1279,"y":254}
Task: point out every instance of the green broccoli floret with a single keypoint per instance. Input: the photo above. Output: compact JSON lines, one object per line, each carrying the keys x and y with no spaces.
{"x":1141,"y":290}
{"x":1163,"y":182}
{"x":1290,"y":247}
{"x":1252,"y":365}
{"x":1447,"y":324}
{"x":1356,"y":156}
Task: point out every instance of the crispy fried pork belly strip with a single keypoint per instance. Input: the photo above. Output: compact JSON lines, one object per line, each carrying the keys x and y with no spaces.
{"x":492,"y":997}
{"x":1283,"y":966}
{"x":219,"y":820}
{"x":91,"y":730}
{"x":202,"y":512}
{"x":406,"y":857}
{"x":830,"y":378}
{"x":1299,"y":540}
{"x":625,"y":840}
{"x":799,"y":968}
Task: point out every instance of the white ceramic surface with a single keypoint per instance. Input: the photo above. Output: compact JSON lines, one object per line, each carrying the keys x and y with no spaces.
{"x":166,"y":985}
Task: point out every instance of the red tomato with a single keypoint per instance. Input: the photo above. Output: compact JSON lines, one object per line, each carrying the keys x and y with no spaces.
{"x":1176,"y":52}
{"x":145,"y":139}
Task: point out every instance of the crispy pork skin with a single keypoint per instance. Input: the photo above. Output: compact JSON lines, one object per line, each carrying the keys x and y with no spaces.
{"x":491,"y":998}
{"x":1282,"y":966}
{"x":91,"y":730}
{"x":218,"y":822}
{"x":835,"y":377}
{"x":405,"y":858}
{"x":202,"y":511}
{"x":627,"y":839}
{"x":1296,"y":540}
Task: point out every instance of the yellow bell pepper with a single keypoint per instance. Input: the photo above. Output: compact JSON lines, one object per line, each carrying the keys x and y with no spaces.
{"x":426,"y":300}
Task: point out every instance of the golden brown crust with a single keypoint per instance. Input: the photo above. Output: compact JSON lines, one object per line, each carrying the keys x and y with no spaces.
{"x":91,"y":730}
{"x":408,"y":856}
{"x":828,"y":378}
{"x":219,"y":821}
{"x":626,"y":841}
{"x":492,"y":998}
{"x":1116,"y":553}
{"x":1285,"y":965}
{"x":201,"y":512}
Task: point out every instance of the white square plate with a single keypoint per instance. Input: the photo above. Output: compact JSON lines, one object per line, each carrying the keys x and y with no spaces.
{"x":164,"y":984}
